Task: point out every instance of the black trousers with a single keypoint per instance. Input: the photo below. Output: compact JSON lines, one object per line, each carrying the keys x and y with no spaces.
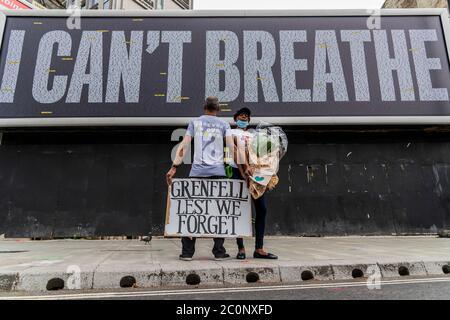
{"x":188,"y":245}
{"x":260,"y":217}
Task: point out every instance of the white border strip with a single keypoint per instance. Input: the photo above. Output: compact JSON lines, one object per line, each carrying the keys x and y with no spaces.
{"x":227,"y":13}
{"x":177,"y":121}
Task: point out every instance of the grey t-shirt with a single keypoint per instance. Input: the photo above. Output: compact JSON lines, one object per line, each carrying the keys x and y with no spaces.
{"x":208,"y":133}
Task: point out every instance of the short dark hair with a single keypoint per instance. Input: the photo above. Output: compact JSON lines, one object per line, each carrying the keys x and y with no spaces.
{"x":242,"y":111}
{"x":212,"y":104}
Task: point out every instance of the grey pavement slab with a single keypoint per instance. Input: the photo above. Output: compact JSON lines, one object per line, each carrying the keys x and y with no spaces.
{"x":85,"y":264}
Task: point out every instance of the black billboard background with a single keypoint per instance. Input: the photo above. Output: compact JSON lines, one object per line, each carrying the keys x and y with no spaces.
{"x":193,"y":85}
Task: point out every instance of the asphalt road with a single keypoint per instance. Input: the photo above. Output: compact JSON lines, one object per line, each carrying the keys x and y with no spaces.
{"x":395,"y":289}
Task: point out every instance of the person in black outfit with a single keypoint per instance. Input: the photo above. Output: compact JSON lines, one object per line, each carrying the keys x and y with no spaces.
{"x":242,"y":171}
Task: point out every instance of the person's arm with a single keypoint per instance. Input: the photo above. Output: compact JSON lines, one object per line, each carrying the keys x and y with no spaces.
{"x":229,"y":145}
{"x":238,"y":155}
{"x":230,"y":148}
{"x":243,"y":163}
{"x":235,"y":151}
{"x":245,"y":168}
{"x":180,"y":153}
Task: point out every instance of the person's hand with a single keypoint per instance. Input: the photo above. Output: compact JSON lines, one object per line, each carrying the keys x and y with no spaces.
{"x":248,"y":172}
{"x":170,"y":175}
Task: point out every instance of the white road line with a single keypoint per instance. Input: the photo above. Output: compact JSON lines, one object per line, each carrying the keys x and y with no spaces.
{"x":220,"y":290}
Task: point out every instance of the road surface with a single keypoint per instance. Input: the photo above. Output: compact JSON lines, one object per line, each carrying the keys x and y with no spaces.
{"x":430,"y":288}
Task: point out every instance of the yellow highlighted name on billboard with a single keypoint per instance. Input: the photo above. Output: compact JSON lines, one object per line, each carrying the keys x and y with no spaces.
{"x":182,"y":98}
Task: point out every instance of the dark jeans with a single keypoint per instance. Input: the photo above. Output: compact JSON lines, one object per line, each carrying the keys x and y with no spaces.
{"x":260,"y":217}
{"x":188,"y":245}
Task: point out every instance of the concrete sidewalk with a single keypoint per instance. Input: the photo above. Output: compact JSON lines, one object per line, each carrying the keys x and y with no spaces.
{"x":29,"y":265}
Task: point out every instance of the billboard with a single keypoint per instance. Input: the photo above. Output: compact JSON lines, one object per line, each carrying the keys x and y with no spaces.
{"x":290,"y":67}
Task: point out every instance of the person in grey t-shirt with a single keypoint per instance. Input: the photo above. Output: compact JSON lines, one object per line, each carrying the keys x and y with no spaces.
{"x":209,"y":133}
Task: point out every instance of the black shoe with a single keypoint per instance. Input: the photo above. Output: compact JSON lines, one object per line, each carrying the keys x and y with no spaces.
{"x":185,"y":257}
{"x":264,"y":256}
{"x":240,"y":256}
{"x":221,"y":257}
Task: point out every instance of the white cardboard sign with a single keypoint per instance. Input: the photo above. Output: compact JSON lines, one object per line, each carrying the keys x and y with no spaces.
{"x":208,"y":208}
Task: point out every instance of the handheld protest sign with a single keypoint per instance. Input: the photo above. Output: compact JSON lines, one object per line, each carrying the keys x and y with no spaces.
{"x":217,"y":208}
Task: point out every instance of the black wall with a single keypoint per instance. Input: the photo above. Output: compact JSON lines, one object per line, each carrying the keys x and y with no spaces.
{"x":333,"y":181}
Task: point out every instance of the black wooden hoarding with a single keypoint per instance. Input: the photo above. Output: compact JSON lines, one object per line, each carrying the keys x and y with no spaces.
{"x":110,"y":181}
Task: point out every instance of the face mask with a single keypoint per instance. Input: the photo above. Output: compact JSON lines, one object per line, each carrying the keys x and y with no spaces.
{"x":242,"y":124}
